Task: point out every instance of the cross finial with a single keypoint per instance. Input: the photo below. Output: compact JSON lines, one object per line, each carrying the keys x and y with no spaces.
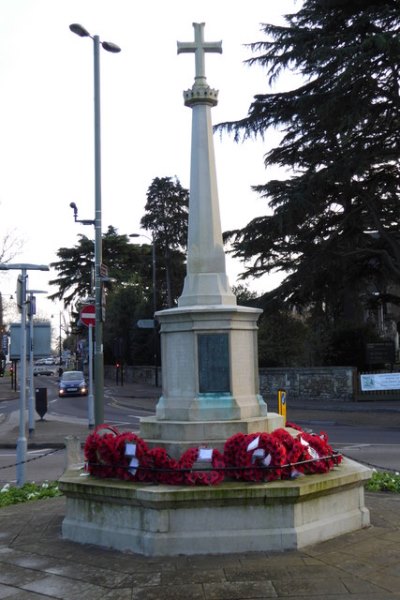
{"x":199,"y":47}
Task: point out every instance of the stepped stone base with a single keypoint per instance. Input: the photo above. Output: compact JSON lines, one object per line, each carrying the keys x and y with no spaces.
{"x":177,"y":436}
{"x":160,"y":520}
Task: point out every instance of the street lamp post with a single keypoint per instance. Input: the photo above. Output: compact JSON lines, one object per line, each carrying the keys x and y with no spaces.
{"x":154,"y":286}
{"x":31,"y":313}
{"x":61,"y":328}
{"x":98,"y":328}
{"x":21,"y":441}
{"x":60,"y":347}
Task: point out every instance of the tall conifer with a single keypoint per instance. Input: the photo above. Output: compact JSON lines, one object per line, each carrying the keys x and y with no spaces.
{"x":340,"y":150}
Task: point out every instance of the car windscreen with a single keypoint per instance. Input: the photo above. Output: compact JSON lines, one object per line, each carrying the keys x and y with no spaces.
{"x":72,"y":376}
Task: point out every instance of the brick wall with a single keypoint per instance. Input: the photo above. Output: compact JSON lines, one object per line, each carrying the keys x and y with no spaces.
{"x":314,"y":383}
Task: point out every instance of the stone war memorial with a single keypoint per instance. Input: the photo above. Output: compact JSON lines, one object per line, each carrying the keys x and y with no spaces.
{"x":213,"y":471}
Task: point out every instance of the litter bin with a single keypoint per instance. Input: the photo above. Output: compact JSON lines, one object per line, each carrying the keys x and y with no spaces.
{"x":41,"y":402}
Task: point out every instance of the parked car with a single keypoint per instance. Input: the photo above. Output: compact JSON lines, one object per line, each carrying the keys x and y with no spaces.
{"x":42,"y":370}
{"x":72,"y":383}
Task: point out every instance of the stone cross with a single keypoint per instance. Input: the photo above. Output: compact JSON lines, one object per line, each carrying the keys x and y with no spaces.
{"x":199,"y":47}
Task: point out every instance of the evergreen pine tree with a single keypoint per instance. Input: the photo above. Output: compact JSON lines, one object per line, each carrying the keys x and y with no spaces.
{"x":340,"y":149}
{"x":166,"y":217}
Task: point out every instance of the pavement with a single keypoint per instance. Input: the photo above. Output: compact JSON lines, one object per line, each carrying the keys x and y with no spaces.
{"x":37,"y":564}
{"x":52,"y":430}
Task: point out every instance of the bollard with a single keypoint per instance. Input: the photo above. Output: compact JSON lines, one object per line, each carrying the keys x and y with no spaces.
{"x":73,"y":454}
{"x":282,"y":403}
{"x":41,"y":402}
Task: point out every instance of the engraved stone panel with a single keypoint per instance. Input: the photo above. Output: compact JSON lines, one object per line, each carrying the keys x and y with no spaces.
{"x":213,"y":353}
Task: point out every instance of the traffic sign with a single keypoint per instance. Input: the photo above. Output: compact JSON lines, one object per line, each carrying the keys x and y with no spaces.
{"x":4,"y":343}
{"x":88,"y":315}
{"x":146,"y":323}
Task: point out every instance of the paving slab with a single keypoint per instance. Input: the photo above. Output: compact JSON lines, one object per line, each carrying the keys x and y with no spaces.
{"x":36,"y":563}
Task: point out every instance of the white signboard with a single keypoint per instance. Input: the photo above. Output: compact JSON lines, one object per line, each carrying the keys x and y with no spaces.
{"x":380,"y":381}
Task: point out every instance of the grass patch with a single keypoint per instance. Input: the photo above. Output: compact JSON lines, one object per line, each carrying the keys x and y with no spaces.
{"x":382,"y":481}
{"x":28,"y":492}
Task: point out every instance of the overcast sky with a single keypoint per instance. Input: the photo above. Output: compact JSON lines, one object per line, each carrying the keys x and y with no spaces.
{"x":46,"y":116}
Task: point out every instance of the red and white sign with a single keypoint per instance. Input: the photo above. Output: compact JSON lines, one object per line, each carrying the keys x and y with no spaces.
{"x":88,"y":316}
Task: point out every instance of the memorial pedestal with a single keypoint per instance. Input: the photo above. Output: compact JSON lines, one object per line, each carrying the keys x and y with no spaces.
{"x":160,"y":520}
{"x":210,"y":379}
{"x":210,"y":364}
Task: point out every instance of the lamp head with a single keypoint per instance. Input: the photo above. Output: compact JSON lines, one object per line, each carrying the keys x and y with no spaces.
{"x":74,"y":208}
{"x":111,"y":47}
{"x":79,"y":30}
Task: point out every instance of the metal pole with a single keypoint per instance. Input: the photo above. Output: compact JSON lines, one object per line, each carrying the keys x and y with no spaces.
{"x":90,"y":397}
{"x":21,"y":441}
{"x":60,"y":348}
{"x":32,"y":312}
{"x":154,"y":312}
{"x":98,"y":353}
{"x":30,"y":399}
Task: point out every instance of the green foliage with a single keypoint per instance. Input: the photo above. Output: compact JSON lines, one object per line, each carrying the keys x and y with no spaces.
{"x":166,"y":218}
{"x":75,"y":271}
{"x":132,"y":270}
{"x":76,"y":264}
{"x":347,"y":346}
{"x":340,"y":146}
{"x":167,"y":213}
{"x":28,"y":492}
{"x":243,"y":294}
{"x":123,"y":340}
{"x":282,"y":340}
{"x":382,"y":481}
{"x":128,"y":298}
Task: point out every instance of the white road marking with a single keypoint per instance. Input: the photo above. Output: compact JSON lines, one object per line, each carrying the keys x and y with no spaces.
{"x":354,"y":445}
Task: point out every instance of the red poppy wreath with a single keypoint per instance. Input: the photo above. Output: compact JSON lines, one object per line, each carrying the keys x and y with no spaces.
{"x":258,"y":456}
{"x":100,"y":453}
{"x":322,"y":457}
{"x":131,"y":455}
{"x":200,"y":456}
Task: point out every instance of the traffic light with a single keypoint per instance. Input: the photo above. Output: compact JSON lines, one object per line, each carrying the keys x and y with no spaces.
{"x":32,"y":306}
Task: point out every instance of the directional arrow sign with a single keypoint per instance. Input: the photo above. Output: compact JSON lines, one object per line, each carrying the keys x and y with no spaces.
{"x":87,"y":315}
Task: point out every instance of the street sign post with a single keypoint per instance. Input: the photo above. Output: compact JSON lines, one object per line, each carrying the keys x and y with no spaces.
{"x":88,"y":318}
{"x":88,"y":315}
